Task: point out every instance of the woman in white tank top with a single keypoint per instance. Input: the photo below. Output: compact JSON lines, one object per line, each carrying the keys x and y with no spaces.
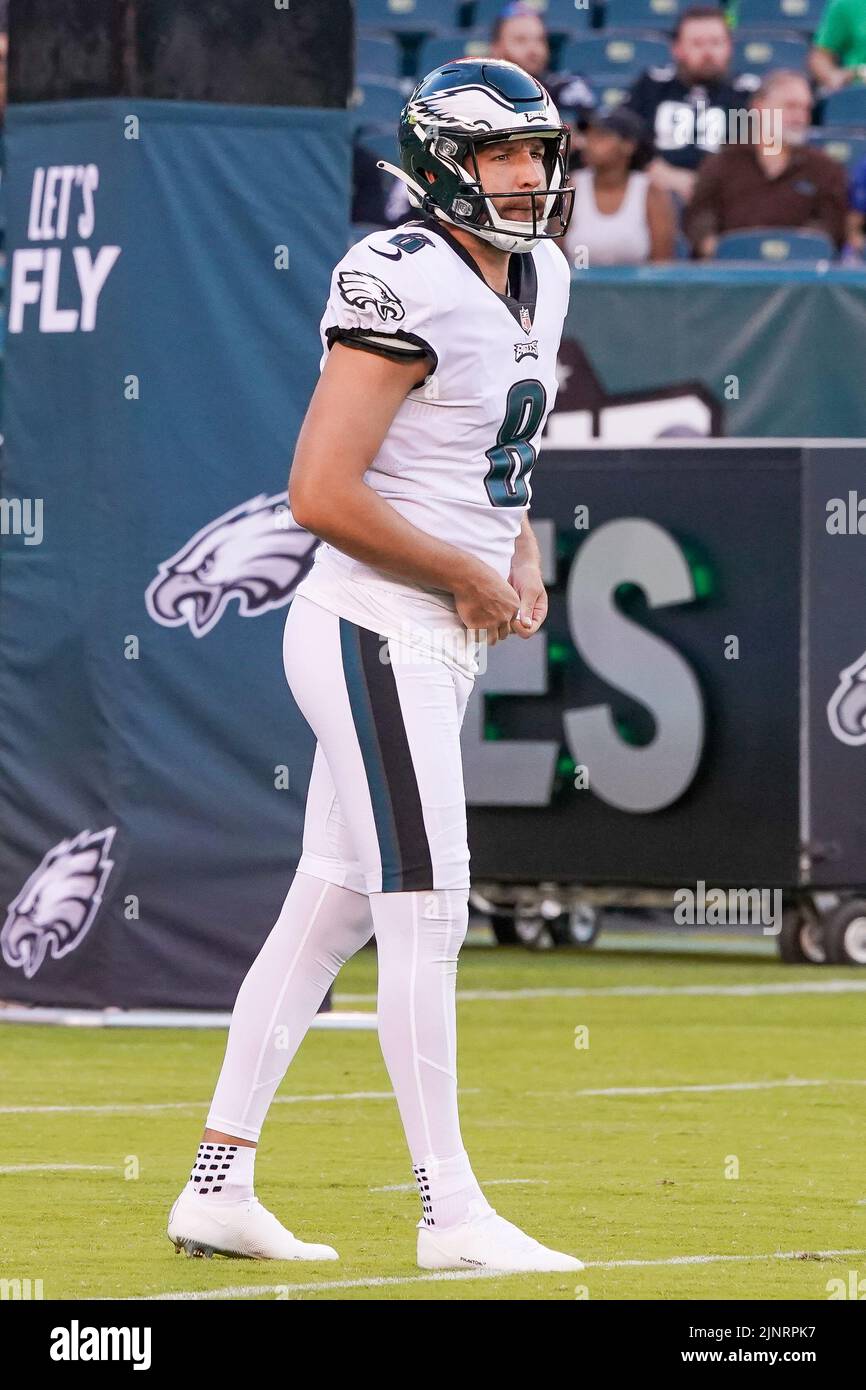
{"x":619,"y":217}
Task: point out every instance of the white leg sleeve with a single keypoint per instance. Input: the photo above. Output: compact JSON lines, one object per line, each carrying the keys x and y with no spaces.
{"x":320,"y":926}
{"x":418,"y":937}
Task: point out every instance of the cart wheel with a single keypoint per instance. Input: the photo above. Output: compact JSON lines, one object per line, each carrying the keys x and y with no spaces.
{"x":579,"y":927}
{"x":504,"y":929}
{"x":845,"y":933}
{"x":802,"y":939}
{"x":532,"y":930}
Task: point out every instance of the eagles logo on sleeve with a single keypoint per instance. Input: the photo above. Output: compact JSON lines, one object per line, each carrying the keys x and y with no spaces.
{"x":365,"y":291}
{"x":55,"y":909}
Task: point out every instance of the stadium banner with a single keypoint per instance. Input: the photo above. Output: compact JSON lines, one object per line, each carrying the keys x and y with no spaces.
{"x":167,"y":268}
{"x":834,"y":666}
{"x":681,"y":350}
{"x":695,"y":708}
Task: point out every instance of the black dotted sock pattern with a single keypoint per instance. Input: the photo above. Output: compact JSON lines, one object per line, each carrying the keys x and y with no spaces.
{"x":212,"y":1162}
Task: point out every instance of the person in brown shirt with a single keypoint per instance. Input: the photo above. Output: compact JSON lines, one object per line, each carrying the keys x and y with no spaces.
{"x":769,"y":177}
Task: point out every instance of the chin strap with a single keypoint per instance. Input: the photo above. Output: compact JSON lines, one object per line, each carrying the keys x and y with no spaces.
{"x":427,"y":203}
{"x":433,"y":209}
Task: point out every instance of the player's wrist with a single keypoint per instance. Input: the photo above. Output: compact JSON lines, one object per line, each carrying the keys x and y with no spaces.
{"x":464,"y":574}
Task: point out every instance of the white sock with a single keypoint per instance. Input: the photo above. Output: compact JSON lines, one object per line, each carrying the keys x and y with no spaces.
{"x":447,"y":1186}
{"x":418,"y":938}
{"x":223,"y":1172}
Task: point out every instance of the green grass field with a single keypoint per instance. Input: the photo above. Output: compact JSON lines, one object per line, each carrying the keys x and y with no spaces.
{"x":634,"y":1184}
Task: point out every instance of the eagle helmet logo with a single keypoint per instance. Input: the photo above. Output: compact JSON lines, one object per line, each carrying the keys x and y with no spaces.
{"x":846,"y":710}
{"x":365,"y":291}
{"x":255,"y":553}
{"x":57,"y":905}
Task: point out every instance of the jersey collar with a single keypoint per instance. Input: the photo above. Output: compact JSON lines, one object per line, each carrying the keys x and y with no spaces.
{"x":522,"y":296}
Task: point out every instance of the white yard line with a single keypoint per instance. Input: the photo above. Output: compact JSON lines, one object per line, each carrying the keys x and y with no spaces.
{"x":471,"y":996}
{"x":488,"y":1182}
{"x":58,"y":1168}
{"x":717,"y":1086}
{"x":143,"y":1107}
{"x":251,"y":1290}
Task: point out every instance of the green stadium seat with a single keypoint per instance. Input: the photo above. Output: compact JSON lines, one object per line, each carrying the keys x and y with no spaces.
{"x":775,"y":246}
{"x":757,"y":51}
{"x":381,"y":141}
{"x":560,"y":16}
{"x":642,"y":14}
{"x":612,"y":90}
{"x":846,"y":108}
{"x":376,"y":103}
{"x":463,"y":43}
{"x":847,"y":147}
{"x":378,"y":55}
{"x":614,"y":53}
{"x":802,"y":15}
{"x":408,"y":16}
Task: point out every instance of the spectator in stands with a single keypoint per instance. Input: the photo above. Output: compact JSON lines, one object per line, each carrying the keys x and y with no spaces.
{"x":519,"y":36}
{"x":856,"y":238}
{"x":619,"y":217}
{"x":839,"y":53}
{"x":774,"y":180}
{"x":686,"y":104}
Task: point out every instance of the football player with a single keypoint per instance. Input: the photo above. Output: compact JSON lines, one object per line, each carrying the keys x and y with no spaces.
{"x":413,"y":466}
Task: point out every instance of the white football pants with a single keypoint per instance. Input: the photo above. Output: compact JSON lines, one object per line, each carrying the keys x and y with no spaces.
{"x":384,"y":849}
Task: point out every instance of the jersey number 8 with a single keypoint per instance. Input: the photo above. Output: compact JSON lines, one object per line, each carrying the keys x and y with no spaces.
{"x":512,"y":457}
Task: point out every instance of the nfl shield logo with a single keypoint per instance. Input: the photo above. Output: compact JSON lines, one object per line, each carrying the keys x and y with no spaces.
{"x":525,"y":320}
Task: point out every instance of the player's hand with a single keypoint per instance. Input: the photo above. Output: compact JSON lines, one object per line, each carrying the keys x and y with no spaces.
{"x":486,"y":602}
{"x":527,"y":582}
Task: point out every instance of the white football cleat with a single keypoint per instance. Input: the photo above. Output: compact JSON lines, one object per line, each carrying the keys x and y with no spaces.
{"x":485,"y":1240}
{"x":245,"y":1229}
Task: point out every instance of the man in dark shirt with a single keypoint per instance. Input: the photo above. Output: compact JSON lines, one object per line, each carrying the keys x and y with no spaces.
{"x":774,"y":180}
{"x":686,"y":104}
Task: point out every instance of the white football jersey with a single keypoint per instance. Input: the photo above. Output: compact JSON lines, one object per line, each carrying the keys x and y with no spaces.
{"x":458,"y":458}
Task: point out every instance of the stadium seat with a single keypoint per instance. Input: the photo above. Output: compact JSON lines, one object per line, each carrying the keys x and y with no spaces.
{"x":560,"y":16}
{"x":847,"y":147}
{"x":377,"y":55}
{"x":380,"y":140}
{"x":412,"y":16}
{"x":464,"y":43}
{"x":758,"y":51}
{"x":642,"y":14}
{"x":846,"y":108}
{"x":376,"y":103}
{"x":802,"y":15}
{"x":775,"y":246}
{"x":612,"y":54}
{"x":612,"y":91}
